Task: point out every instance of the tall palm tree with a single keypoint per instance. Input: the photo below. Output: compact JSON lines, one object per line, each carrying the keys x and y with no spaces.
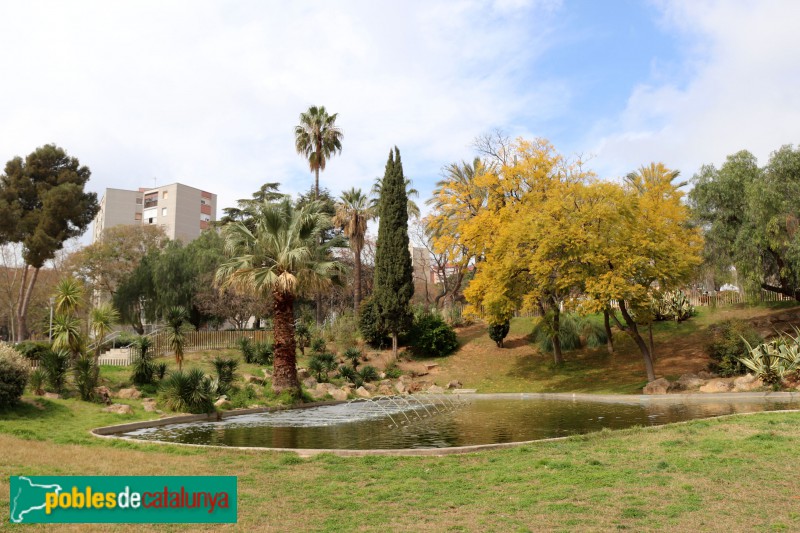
{"x":177,"y":319}
{"x":101,"y":319}
{"x":277,"y":256}
{"x":413,"y":208}
{"x":66,"y":333}
{"x":353,"y":211}
{"x":317,"y":138}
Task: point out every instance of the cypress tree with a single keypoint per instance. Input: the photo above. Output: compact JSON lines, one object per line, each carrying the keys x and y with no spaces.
{"x":394,"y":284}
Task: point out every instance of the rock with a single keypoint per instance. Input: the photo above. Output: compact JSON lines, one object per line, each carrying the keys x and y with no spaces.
{"x":309,"y":383}
{"x":431,"y":366}
{"x":347,"y":390}
{"x":119,"y":408}
{"x":400,"y":387}
{"x":149,"y":405}
{"x":249,"y":378}
{"x":339,"y":395}
{"x":103,"y":395}
{"x":52,"y":396}
{"x":370,"y":387}
{"x":717,"y":385}
{"x":706,"y":375}
{"x":435,"y":389}
{"x":129,"y":394}
{"x":361,"y":392}
{"x":381,"y":375}
{"x":455,"y":384}
{"x":318,"y":394}
{"x":414,"y":386}
{"x":747,"y":383}
{"x":223,"y":403}
{"x":659,"y":386}
{"x":302,"y":373}
{"x":384,"y":390}
{"x":687,"y":382}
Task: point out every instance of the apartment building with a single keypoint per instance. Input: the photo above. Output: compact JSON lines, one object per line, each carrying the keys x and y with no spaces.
{"x":182,"y":211}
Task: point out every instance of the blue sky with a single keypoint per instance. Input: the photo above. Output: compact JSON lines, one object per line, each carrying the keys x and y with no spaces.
{"x":208,"y":92}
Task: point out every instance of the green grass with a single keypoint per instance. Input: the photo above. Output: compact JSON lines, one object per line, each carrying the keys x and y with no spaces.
{"x":725,"y":474}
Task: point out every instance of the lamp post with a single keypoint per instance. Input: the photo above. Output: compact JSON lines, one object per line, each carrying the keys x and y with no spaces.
{"x":50,"y":332}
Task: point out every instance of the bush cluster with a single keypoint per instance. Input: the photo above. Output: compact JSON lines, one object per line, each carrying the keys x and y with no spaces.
{"x":13,"y":376}
{"x":729,"y":343}
{"x":431,"y":336}
{"x":33,"y":350}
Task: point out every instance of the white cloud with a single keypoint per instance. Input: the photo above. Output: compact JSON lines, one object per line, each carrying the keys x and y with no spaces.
{"x":743,"y":93}
{"x":208,"y":93}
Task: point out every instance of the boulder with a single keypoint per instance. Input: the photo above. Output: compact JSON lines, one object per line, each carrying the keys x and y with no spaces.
{"x":339,"y":395}
{"x":309,"y":383}
{"x":385,"y":390}
{"x":302,"y":373}
{"x":52,"y":396}
{"x":129,"y":394}
{"x":687,"y":382}
{"x":747,"y":383}
{"x":249,"y":378}
{"x":717,"y":385}
{"x":659,"y":386}
{"x":455,"y":384}
{"x":103,"y":395}
{"x":414,"y":386}
{"x":361,"y":392}
{"x":706,"y":375}
{"x":400,"y":387}
{"x":347,"y":390}
{"x":318,"y":394}
{"x":223,"y":403}
{"x":370,"y":387}
{"x":119,"y":408}
{"x":381,"y":375}
{"x":435,"y":389}
{"x":431,"y":366}
{"x":149,"y":405}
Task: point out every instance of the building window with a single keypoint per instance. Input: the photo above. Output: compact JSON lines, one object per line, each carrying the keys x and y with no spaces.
{"x":163,"y":211}
{"x":137,"y":216}
{"x":164,"y":195}
{"x":150,"y":200}
{"x":139,"y":201}
{"x":151,"y":221}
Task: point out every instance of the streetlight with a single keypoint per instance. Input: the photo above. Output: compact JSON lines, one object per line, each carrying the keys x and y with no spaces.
{"x":50,"y":333}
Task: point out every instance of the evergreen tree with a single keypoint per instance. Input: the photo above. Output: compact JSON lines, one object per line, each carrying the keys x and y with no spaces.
{"x":394,"y":285}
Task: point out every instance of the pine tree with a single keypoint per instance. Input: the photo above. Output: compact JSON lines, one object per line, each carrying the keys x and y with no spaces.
{"x":394,"y":285}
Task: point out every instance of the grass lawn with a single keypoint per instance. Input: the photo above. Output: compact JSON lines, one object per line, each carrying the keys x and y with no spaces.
{"x":735,"y":474}
{"x":520,"y":367}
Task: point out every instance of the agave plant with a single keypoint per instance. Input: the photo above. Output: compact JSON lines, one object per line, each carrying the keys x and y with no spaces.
{"x":770,"y":361}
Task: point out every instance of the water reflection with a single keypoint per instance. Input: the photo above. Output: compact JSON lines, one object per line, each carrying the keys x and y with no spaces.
{"x":478,"y":421}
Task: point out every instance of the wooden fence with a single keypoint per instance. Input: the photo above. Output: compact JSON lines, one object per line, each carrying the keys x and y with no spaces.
{"x":197,"y":341}
{"x":722,"y":298}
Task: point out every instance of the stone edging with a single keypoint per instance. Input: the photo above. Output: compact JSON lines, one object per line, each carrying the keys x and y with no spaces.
{"x":109,"y":432}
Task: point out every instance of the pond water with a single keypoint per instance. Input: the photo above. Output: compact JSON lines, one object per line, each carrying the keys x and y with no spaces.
{"x":447,"y":420}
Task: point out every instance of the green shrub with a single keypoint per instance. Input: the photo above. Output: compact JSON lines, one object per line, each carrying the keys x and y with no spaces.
{"x":773,"y":360}
{"x":353,"y":355}
{"x":247,"y":350}
{"x":368,"y":373}
{"x":36,"y":380}
{"x":498,"y":332}
{"x":570,"y":327}
{"x":56,"y":366}
{"x":159,"y":370}
{"x":33,"y":350}
{"x":321,"y":364}
{"x":348,"y":373}
{"x":302,"y":335}
{"x":243,"y":397}
{"x":431,"y":336}
{"x":369,"y":325}
{"x":86,"y":375}
{"x":344,"y":330}
{"x":392,"y":371}
{"x":187,"y":392}
{"x":226,"y":370}
{"x":13,"y":375}
{"x":263,"y":352}
{"x":318,"y":345}
{"x":594,"y":332}
{"x":729,"y":342}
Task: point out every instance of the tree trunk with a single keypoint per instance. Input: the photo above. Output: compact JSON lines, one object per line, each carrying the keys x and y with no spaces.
{"x":558,"y":358}
{"x":650,"y":334}
{"x":394,"y":346}
{"x":284,"y":375}
{"x":609,"y":335}
{"x":357,"y":288}
{"x":316,"y":183}
{"x":22,"y":314}
{"x":633,"y":331}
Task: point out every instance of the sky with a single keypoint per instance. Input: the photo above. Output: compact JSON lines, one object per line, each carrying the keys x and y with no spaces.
{"x":207,"y":93}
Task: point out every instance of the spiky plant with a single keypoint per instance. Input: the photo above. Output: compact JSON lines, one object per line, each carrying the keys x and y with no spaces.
{"x":188,"y":392}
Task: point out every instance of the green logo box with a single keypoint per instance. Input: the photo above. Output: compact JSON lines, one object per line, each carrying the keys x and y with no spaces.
{"x":123,"y":499}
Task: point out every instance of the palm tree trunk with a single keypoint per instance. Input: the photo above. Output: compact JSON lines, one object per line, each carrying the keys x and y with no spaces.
{"x":284,"y":376}
{"x":316,"y":183}
{"x":357,"y":288}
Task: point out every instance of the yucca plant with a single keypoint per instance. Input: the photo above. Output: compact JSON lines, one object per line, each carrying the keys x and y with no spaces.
{"x":349,"y":374}
{"x":321,"y":364}
{"x":225,"y":369}
{"x":86,"y":376}
{"x":263,"y":353}
{"x":368,"y":373}
{"x":56,"y":365}
{"x":143,"y":367}
{"x":246,"y":347}
{"x":36,"y":381}
{"x":188,"y":392}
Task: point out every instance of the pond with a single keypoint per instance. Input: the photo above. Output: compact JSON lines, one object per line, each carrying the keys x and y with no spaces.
{"x":442,"y":421}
